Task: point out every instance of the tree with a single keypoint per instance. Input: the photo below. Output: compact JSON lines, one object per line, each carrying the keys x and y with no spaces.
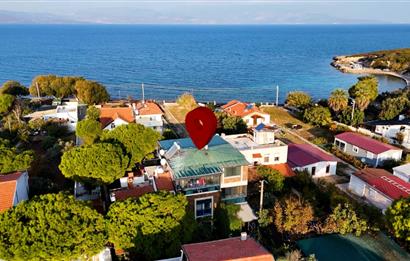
{"x":275,"y":180}
{"x":12,"y":160}
{"x":14,"y":88}
{"x":298,"y":99}
{"x":52,"y":85}
{"x":88,"y":130}
{"x":102,"y":162}
{"x":346,"y":117}
{"x":91,"y":92}
{"x":6,"y":103}
{"x":318,"y":116}
{"x":169,"y":134}
{"x":230,"y":124}
{"x":154,"y":225}
{"x":187,"y":101}
{"x":398,"y":218}
{"x":138,"y":141}
{"x":51,"y":227}
{"x":227,"y":221}
{"x":293,"y":216}
{"x":344,"y":220}
{"x":364,"y":91}
{"x":93,"y":113}
{"x":338,"y":100}
{"x":392,"y":107}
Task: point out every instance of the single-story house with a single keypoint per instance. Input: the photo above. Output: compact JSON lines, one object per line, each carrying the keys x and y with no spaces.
{"x":378,"y":186}
{"x":149,"y":114}
{"x":111,"y":117}
{"x":13,"y":189}
{"x":235,"y":248}
{"x":402,"y":172}
{"x":390,"y":128}
{"x":248,"y":112}
{"x":368,"y":150}
{"x":311,"y":159}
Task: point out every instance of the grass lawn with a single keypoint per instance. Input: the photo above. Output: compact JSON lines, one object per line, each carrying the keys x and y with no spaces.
{"x":177,"y":111}
{"x":285,"y":119}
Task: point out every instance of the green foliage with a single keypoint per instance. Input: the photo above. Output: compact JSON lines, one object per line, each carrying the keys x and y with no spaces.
{"x":293,"y":216}
{"x":6,"y":103}
{"x":91,"y":92}
{"x":51,"y":227}
{"x":319,"y":140}
{"x":318,"y":116}
{"x":14,"y":88}
{"x":275,"y":180}
{"x":392,"y":107}
{"x":52,"y":85}
{"x":187,"y":101}
{"x":56,"y":129}
{"x":227,"y":221}
{"x":338,"y":100}
{"x":344,"y":220}
{"x":154,"y":225}
{"x":88,"y":130}
{"x":265,"y":218}
{"x":169,"y":134}
{"x":37,"y":124}
{"x":346,"y":157}
{"x":137,"y":140}
{"x":397,"y":60}
{"x":398,"y":218}
{"x":298,"y":99}
{"x":230,"y":124}
{"x":12,"y":160}
{"x":93,"y":113}
{"x":346,"y":117}
{"x":364,"y":91}
{"x":102,"y":162}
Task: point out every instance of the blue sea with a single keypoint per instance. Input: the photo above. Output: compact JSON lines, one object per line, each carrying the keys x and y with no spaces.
{"x":213,"y":62}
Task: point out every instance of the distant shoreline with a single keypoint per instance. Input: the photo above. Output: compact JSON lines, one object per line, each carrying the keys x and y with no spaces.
{"x":351,"y":64}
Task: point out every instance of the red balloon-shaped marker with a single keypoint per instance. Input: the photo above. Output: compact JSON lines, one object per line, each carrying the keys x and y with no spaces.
{"x":201,"y":126}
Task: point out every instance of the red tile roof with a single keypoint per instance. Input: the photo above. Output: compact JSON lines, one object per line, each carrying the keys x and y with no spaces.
{"x":256,"y":155}
{"x":300,"y":155}
{"x":240,"y":109}
{"x":284,"y":169}
{"x":135,"y":192}
{"x":148,"y":108}
{"x":164,"y":182}
{"x":385,"y":182}
{"x":227,"y":249}
{"x":365,"y":142}
{"x":108,"y":115}
{"x":8,"y":184}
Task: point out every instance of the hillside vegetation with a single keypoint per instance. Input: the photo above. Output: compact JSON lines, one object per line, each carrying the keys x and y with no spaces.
{"x":397,"y":60}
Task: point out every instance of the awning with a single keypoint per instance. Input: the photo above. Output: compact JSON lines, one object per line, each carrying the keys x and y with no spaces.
{"x":246,"y":213}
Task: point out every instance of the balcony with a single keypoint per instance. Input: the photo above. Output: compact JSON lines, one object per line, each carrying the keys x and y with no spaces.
{"x":198,"y":185}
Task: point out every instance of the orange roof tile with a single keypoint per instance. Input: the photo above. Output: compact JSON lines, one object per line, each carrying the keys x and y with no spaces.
{"x":227,"y":249}
{"x":135,"y":192}
{"x":240,"y":109}
{"x":164,"y":182}
{"x":8,"y":184}
{"x":148,"y":108}
{"x":108,"y":115}
{"x":284,"y":169}
{"x":256,"y":155}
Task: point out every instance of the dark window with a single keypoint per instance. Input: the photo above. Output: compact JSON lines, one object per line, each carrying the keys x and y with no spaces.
{"x":276,"y":159}
{"x":313,"y":171}
{"x":234,"y":171}
{"x":204,"y":207}
{"x":327,"y":168}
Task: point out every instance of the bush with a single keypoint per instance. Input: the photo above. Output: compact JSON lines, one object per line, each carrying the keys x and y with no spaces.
{"x":318,"y":116}
{"x":319,"y":141}
{"x":187,"y":101}
{"x":298,"y":99}
{"x":349,"y":158}
{"x":169,"y":134}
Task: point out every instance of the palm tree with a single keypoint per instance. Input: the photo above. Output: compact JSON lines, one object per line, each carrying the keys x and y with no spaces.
{"x":338,"y":100}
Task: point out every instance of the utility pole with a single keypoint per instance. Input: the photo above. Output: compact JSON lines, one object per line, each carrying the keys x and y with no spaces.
{"x":354,"y":103}
{"x":277,"y":95}
{"x":38,"y":90}
{"x":143,"y":94}
{"x":261,"y":196}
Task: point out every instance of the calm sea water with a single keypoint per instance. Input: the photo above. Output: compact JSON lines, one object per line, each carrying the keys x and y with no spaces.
{"x":215,"y":62}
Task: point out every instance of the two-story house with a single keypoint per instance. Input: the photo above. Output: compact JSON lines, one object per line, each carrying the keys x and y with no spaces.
{"x":13,"y":189}
{"x":208,"y":176}
{"x":149,"y":114}
{"x":111,"y":117}
{"x":68,"y":112}
{"x":248,"y":112}
{"x":368,"y":150}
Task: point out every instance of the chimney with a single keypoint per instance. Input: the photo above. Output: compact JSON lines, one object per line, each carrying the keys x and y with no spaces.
{"x":244,"y":236}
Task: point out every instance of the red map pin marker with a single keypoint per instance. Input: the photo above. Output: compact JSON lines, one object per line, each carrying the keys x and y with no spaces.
{"x":201,"y":126}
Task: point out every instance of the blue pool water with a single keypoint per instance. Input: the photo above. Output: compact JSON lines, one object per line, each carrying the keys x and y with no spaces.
{"x":214,"y":62}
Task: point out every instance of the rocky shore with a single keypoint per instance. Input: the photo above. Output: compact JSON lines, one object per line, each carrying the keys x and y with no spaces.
{"x":361,"y":65}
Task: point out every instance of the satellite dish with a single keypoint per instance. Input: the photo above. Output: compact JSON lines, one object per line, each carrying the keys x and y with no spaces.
{"x":162,"y":152}
{"x":163,"y":162}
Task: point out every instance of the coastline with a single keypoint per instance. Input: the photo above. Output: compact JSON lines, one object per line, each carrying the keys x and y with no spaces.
{"x":351,"y":64}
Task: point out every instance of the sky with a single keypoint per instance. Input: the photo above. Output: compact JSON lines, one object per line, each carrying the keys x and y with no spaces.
{"x":205,"y":12}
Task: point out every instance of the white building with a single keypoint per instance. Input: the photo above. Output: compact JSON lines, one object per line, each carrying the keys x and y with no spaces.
{"x":305,"y":157}
{"x":402,"y":172}
{"x":149,"y":114}
{"x":251,"y":114}
{"x":390,"y":129}
{"x":13,"y":189}
{"x":111,"y":117}
{"x":378,"y":186}
{"x":261,"y":148}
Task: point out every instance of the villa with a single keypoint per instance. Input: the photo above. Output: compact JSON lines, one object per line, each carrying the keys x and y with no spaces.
{"x":149,"y":114}
{"x":251,"y":114}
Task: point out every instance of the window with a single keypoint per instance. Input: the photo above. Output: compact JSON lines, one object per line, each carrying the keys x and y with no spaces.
{"x":355,"y":149}
{"x":276,"y":159}
{"x":203,"y":207}
{"x":327,"y":168}
{"x":266,"y":159}
{"x":112,"y":125}
{"x":313,"y":172}
{"x":233,"y":171}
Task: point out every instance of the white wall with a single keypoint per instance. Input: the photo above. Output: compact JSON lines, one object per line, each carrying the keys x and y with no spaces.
{"x":264,"y":137}
{"x":272,"y":151}
{"x":391,"y":154}
{"x":402,"y":175}
{"x":320,"y":168}
{"x":21,"y":189}
{"x":117,"y":122}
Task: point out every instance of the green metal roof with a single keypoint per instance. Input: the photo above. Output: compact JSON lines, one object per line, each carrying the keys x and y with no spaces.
{"x":191,"y":162}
